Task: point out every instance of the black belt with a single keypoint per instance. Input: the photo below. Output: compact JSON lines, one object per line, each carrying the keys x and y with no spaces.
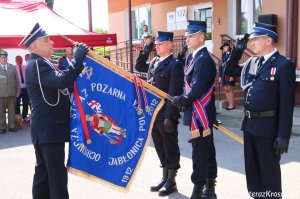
{"x":252,"y":114}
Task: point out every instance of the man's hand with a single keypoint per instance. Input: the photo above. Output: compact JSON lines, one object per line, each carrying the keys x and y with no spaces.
{"x":81,"y":51}
{"x":181,"y":54}
{"x":183,"y":51}
{"x":177,"y":101}
{"x":168,"y":124}
{"x":241,"y":43}
{"x":147,"y":49}
{"x":281,"y":146}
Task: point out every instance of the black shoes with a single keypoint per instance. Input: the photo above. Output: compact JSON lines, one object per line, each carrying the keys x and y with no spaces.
{"x":170,"y":185}
{"x":10,"y":129}
{"x":197,"y":192}
{"x":209,"y":189}
{"x":168,"y":188}
{"x":167,"y":184}
{"x":161,"y":183}
{"x":205,"y":192}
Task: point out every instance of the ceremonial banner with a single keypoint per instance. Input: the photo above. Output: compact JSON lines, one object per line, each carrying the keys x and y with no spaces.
{"x":112,"y":115}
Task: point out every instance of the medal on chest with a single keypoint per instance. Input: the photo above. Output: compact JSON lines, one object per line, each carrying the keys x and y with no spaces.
{"x":273,"y":71}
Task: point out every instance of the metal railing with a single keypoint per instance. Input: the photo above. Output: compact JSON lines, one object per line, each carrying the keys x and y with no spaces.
{"x":120,"y":53}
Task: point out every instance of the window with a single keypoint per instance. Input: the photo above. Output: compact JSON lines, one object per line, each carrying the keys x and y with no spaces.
{"x":140,"y":17}
{"x":246,"y":14}
{"x":257,"y":9}
{"x":205,"y":15}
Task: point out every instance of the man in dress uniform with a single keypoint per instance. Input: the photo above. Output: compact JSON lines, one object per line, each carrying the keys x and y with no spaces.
{"x":268,"y":80}
{"x":166,"y":73}
{"x":50,"y":112}
{"x":199,"y":110}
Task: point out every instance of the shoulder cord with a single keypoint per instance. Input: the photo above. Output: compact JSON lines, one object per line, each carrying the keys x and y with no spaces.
{"x":58,"y":91}
{"x":243,"y":73}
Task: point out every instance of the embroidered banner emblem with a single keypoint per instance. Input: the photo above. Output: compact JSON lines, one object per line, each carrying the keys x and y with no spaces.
{"x":108,"y":134}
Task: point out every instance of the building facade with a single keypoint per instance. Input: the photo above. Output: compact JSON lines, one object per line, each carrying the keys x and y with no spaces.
{"x":226,"y":19}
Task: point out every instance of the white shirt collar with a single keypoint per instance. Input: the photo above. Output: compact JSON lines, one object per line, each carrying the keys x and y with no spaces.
{"x":162,"y":59}
{"x":4,"y":66}
{"x":197,"y":50}
{"x":267,"y":56}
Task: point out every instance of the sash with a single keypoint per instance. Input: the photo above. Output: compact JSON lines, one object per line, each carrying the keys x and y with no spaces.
{"x":199,"y":113}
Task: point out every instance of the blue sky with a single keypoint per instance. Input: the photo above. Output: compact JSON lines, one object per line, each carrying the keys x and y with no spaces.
{"x":76,"y":11}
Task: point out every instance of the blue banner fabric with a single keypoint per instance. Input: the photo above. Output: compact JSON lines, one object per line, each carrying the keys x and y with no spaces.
{"x":108,"y":133}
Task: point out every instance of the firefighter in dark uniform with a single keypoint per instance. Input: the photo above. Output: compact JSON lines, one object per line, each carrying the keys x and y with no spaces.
{"x":268,"y":80}
{"x":199,"y":110}
{"x":50,"y":113}
{"x":166,"y":73}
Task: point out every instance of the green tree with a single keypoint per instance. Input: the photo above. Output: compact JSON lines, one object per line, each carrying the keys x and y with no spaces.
{"x":104,"y":51}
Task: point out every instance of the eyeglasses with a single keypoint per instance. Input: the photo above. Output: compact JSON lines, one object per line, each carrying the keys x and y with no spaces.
{"x":256,"y":39}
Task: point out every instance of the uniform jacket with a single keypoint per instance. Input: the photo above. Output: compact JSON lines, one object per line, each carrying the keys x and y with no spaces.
{"x":49,"y":124}
{"x":63,"y":63}
{"x":200,"y":75}
{"x":168,"y":77}
{"x":9,"y":81}
{"x":267,"y":92}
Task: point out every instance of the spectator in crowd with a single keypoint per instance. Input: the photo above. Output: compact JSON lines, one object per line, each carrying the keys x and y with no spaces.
{"x":145,"y":31}
{"x":26,"y":57}
{"x":148,"y":43}
{"x":65,"y":61}
{"x":24,"y":94}
{"x":228,"y":82}
{"x":10,"y":90}
{"x":50,"y":112}
{"x":165,"y":73}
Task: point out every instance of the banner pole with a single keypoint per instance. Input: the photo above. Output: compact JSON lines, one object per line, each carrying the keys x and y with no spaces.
{"x":120,"y":70}
{"x":229,"y":133}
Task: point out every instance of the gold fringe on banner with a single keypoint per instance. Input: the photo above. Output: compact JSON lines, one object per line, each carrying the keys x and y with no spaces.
{"x":155,"y":91}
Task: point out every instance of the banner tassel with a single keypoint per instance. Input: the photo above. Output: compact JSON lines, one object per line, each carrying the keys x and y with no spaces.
{"x":140,"y":110}
{"x":144,"y":95}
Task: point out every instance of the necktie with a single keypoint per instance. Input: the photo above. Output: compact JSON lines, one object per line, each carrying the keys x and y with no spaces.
{"x":21,"y":74}
{"x":188,"y":63}
{"x":4,"y":68}
{"x":260,"y":62}
{"x":190,"y":58}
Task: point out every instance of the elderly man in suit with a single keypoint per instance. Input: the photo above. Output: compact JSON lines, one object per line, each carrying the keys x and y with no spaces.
{"x":50,"y":114}
{"x":65,"y":61}
{"x":10,"y":90}
{"x":199,"y":110}
{"x":268,"y":80}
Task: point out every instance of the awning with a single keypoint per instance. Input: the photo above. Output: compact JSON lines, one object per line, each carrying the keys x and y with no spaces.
{"x":19,"y":17}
